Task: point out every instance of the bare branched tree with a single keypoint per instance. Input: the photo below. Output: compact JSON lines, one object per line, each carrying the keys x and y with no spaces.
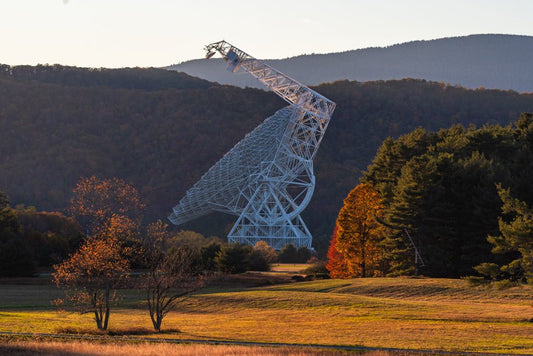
{"x":172,"y":274}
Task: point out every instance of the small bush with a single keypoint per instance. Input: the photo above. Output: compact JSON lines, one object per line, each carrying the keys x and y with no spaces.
{"x":258,"y":262}
{"x":304,"y":254}
{"x":268,"y":253}
{"x":233,"y":258}
{"x":209,"y":253}
{"x":476,"y":280}
{"x":504,"y":284}
{"x":490,"y":270}
{"x":288,"y":254}
{"x":317,"y":270}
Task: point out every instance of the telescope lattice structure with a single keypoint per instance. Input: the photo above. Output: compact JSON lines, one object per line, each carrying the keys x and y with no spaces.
{"x":267,"y":178}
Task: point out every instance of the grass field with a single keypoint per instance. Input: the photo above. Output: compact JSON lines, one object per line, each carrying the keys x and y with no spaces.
{"x":32,"y":348}
{"x":417,"y":314}
{"x":288,"y":267}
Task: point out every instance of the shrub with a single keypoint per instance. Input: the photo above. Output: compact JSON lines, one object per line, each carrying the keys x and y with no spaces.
{"x":257,"y":262}
{"x":288,"y":254}
{"x":317,"y":270}
{"x":304,"y":254}
{"x":233,"y":258}
{"x":268,"y":253}
{"x":208,"y":254}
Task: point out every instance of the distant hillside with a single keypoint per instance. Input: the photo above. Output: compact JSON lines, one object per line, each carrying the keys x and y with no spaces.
{"x":55,"y":129}
{"x":489,"y":61}
{"x":124,"y":78}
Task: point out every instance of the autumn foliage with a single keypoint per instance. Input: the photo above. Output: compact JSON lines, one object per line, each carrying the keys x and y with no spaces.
{"x":91,"y":276}
{"x":337,"y":264}
{"x":354,"y":250}
{"x":111,"y":211}
{"x":97,"y":200}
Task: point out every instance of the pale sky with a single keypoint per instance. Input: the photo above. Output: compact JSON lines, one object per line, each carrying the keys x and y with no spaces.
{"x":144,"y":33}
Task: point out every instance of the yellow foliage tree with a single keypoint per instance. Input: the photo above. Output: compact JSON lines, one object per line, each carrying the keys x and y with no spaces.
{"x":98,"y":200}
{"x":92,"y":275}
{"x":359,"y":233}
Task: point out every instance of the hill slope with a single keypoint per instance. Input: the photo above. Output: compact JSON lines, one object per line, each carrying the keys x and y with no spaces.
{"x":52,"y":132}
{"x":490,"y":61}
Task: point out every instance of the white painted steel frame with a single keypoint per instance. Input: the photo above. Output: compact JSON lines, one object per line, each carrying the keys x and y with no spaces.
{"x":267,"y":178}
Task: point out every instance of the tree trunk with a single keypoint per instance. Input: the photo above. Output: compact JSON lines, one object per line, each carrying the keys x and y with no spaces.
{"x":158,"y":313}
{"x":97,"y":311}
{"x":154,"y":307}
{"x":107,"y":310}
{"x":106,"y":319}
{"x":98,"y":319}
{"x":157,"y":323}
{"x":363,"y":261}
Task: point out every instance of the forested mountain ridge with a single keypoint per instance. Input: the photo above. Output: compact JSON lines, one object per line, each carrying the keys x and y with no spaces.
{"x":490,"y":61}
{"x":53,"y":132}
{"x":123,"y":78}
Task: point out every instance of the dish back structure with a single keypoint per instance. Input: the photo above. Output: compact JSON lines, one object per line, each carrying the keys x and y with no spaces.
{"x":267,"y":178}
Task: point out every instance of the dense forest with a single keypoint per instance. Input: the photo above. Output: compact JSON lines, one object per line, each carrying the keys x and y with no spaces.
{"x":30,"y":239}
{"x":443,"y":189}
{"x":489,"y":60}
{"x":161,"y":130}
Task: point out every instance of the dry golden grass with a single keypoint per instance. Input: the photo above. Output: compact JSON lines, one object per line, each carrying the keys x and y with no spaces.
{"x":30,"y":348}
{"x":418,"y":314}
{"x":288,"y":267}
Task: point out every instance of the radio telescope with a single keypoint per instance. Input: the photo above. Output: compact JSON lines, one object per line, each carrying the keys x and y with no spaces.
{"x":267,"y":178}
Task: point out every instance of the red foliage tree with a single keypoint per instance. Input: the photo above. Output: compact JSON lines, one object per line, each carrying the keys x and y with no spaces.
{"x":336,"y":265}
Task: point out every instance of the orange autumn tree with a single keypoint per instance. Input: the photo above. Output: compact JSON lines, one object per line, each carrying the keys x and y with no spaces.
{"x":337,"y":265}
{"x":92,"y":275}
{"x":110,"y":207}
{"x":97,"y":200}
{"x":119,"y":227}
{"x":357,"y":236}
{"x":111,"y":211}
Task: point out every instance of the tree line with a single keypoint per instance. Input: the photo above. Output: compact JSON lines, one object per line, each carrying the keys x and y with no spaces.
{"x":450,"y":203}
{"x":32,"y":241}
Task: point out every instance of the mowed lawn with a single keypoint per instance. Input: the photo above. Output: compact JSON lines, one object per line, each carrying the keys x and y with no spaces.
{"x":407,"y":313}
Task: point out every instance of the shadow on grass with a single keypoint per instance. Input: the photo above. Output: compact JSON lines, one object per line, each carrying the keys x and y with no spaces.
{"x":122,"y":332}
{"x":21,"y":350}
